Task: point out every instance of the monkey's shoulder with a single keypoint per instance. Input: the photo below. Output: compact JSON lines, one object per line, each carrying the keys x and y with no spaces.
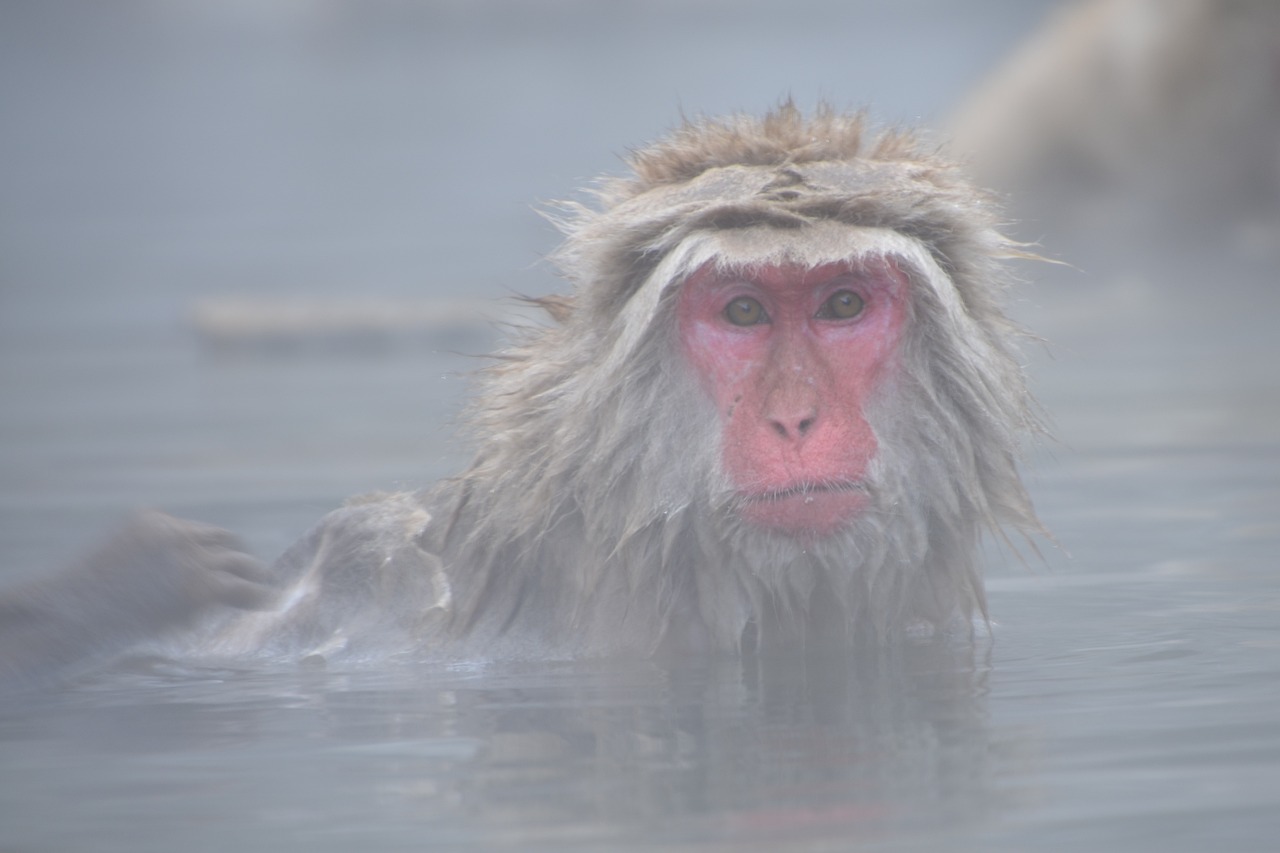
{"x":363,"y":580}
{"x":369,"y":541}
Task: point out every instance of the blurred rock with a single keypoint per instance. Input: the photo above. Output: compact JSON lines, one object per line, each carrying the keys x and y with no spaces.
{"x":248,"y":325}
{"x":1138,"y":120}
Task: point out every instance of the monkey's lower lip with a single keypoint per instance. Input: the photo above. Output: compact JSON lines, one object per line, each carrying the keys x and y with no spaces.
{"x":806,"y":508}
{"x":808,"y":489}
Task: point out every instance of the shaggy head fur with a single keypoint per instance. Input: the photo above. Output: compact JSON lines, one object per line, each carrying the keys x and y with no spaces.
{"x":595,"y":519}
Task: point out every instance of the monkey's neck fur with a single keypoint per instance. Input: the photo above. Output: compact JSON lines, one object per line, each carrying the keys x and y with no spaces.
{"x":594,"y":520}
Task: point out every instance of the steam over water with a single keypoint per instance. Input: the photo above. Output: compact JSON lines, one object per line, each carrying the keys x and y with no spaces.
{"x":360,"y":175}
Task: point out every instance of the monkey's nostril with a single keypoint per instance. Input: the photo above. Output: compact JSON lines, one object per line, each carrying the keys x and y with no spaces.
{"x":796,"y":430}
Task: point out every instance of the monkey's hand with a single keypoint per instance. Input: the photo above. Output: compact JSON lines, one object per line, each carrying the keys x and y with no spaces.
{"x":157,"y":574}
{"x":167,"y":571}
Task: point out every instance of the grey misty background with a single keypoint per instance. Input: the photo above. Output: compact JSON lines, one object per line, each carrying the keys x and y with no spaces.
{"x":157,"y":154}
{"x":158,"y":151}
{"x":158,"y":158}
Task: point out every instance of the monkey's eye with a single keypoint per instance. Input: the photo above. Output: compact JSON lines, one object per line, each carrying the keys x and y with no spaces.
{"x":843,"y":305}
{"x":745,"y":311}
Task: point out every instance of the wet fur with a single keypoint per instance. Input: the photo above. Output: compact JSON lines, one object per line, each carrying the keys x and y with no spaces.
{"x":595,"y":519}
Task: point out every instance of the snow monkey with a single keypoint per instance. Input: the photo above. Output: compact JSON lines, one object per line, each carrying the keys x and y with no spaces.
{"x":778,"y":409}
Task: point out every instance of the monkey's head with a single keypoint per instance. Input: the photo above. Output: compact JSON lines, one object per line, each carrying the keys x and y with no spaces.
{"x":786,"y":333}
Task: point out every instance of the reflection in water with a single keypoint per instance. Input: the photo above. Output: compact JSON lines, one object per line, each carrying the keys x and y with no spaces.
{"x":892,"y":742}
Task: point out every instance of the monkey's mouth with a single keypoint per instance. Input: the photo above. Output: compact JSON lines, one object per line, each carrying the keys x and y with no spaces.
{"x":804,"y":490}
{"x":810,"y":508}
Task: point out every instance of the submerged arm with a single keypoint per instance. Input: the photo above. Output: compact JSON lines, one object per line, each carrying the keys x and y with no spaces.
{"x":156,"y":574}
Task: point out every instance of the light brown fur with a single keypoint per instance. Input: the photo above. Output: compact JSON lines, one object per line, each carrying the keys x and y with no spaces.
{"x":595,"y":520}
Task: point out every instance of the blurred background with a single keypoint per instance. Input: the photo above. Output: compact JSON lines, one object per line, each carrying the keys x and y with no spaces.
{"x":250,"y":251}
{"x":244,"y":246}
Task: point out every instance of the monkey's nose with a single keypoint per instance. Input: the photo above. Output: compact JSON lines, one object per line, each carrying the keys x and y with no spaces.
{"x":791,"y":407}
{"x":795,"y":427}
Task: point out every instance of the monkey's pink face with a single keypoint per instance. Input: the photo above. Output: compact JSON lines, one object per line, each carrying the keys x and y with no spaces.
{"x":790,"y":356}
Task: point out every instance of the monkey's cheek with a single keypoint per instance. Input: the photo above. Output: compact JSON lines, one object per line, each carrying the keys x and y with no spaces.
{"x":805,"y":514}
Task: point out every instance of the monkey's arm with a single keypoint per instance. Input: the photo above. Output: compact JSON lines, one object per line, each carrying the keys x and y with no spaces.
{"x":156,"y":574}
{"x":365,"y":581}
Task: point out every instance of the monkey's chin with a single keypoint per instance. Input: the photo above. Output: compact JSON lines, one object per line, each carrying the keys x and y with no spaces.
{"x":807,"y":511}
